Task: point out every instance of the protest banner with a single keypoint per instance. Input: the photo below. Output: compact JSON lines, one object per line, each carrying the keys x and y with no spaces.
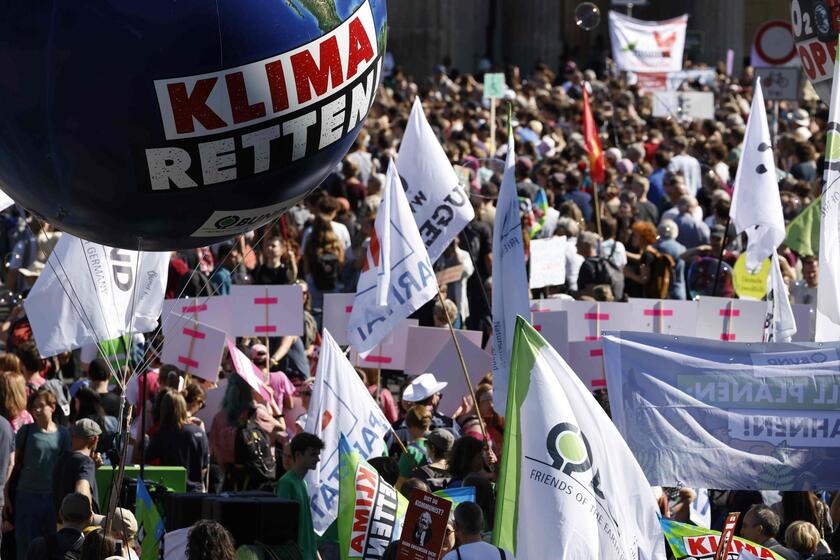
{"x":664,"y":316}
{"x":370,"y":511}
{"x":263,"y":311}
{"x":647,"y":46}
{"x":424,"y":527}
{"x":733,"y":320}
{"x":700,"y":511}
{"x":340,"y":406}
{"x":673,"y":81}
{"x":725,"y":415}
{"x":336,"y":315}
{"x":216,"y":311}
{"x":390,"y":353}
{"x":688,"y":542}
{"x":567,"y":480}
{"x":88,"y":293}
{"x":457,"y":495}
{"x":248,"y":370}
{"x":691,"y":105}
{"x":548,"y":262}
{"x":554,"y":327}
{"x":195,"y":348}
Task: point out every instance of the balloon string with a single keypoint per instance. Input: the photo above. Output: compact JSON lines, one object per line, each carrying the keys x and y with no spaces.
{"x":98,"y":299}
{"x":129,"y":344}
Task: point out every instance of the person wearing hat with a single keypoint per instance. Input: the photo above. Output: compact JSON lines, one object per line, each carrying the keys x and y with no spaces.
{"x":425,"y":390}
{"x":75,"y":470}
{"x":76,"y":515}
{"x":669,"y":245}
{"x":435,"y":473}
{"x":281,"y":387}
{"x":124,"y":529}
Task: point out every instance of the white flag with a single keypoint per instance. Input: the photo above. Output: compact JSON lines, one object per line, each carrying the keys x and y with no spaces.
{"x":340,"y":404}
{"x":5,"y":201}
{"x":510,"y":281}
{"x":397,"y":277}
{"x":440,"y":205}
{"x":647,"y":46}
{"x":569,"y":486}
{"x":757,"y":209}
{"x":86,"y":294}
{"x":828,"y":291}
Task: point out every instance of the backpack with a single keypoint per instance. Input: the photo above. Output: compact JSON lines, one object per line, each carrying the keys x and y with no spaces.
{"x":606,"y":272}
{"x":659,"y":275}
{"x":252,"y":450}
{"x":325,"y":271}
{"x":54,"y":553}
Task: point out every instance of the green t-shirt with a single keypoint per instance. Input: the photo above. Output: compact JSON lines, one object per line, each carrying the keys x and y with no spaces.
{"x":40,"y":456}
{"x":416,"y":457}
{"x":292,"y":487}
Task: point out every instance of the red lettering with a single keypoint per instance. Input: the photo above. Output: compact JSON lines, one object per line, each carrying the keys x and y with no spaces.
{"x":307,"y":71}
{"x":189,"y":106}
{"x":807,"y":63}
{"x":277,"y":86}
{"x":240,"y":108}
{"x":765,"y":553}
{"x":356,"y":543}
{"x":696,"y":547}
{"x":360,"y":47}
{"x":361,"y":518}
{"x":364,"y":475}
{"x":820,"y":56}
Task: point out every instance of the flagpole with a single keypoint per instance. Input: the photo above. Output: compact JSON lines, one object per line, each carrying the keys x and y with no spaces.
{"x":720,"y":255}
{"x":463,"y":367}
{"x":597,"y":208}
{"x":399,"y":441}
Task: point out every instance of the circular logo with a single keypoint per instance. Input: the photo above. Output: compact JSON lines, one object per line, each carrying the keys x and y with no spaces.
{"x":821,"y":19}
{"x":226,"y":222}
{"x":818,"y":358}
{"x":568,"y":448}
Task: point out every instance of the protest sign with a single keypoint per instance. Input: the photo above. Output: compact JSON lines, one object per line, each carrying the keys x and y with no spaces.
{"x":554,"y":327}
{"x":548,"y":262}
{"x":715,"y":414}
{"x":733,"y":320}
{"x":494,"y":85}
{"x":424,"y":527}
{"x":691,"y":105}
{"x":586,"y":357}
{"x":780,"y":83}
{"x":248,"y":370}
{"x":267,"y":310}
{"x":336,"y":314}
{"x":647,"y":46}
{"x":697,"y":543}
{"x":428,"y":342}
{"x":215,"y":311}
{"x":449,"y":275}
{"x":588,"y":319}
{"x":664,"y":316}
{"x":700,"y":512}
{"x":726,"y":535}
{"x":340,"y":406}
{"x":388,"y":354}
{"x":672,"y":81}
{"x":750,"y":285}
{"x":195,"y":348}
{"x":457,"y":495}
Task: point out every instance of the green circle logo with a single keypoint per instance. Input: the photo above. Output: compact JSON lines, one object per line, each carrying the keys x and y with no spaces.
{"x":226,"y":222}
{"x":571,"y":447}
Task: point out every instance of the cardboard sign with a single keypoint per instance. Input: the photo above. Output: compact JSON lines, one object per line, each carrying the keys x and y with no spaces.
{"x":449,"y":275}
{"x":336,"y":315}
{"x":214,"y":311}
{"x":424,"y":527}
{"x":447,"y":367}
{"x":548,"y":262}
{"x":672,"y":81}
{"x":780,"y":83}
{"x":586,"y":358}
{"x":664,"y":316}
{"x":588,"y":319}
{"x":747,"y":284}
{"x":388,"y":354}
{"x":248,"y":370}
{"x":195,"y":348}
{"x":494,"y":86}
{"x":692,"y":105}
{"x":731,"y":320}
{"x":554,"y":327}
{"x":267,"y":310}
{"x":427,"y":342}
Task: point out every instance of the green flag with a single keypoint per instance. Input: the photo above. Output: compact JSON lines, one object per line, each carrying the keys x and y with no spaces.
{"x":696,"y":543}
{"x":150,"y":526}
{"x":803,"y":232}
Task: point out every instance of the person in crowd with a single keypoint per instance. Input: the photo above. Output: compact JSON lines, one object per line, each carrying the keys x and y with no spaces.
{"x":87,"y":404}
{"x":425,"y":390}
{"x":669,"y":245}
{"x":468,"y":456}
{"x":196,"y":398}
{"x":98,"y":546}
{"x":33,"y":366}
{"x":38,"y":447}
{"x":685,"y":164}
{"x":306,"y":452}
{"x":13,"y":399}
{"x":209,"y":540}
{"x":99,"y":375}
{"x":494,"y":422}
{"x":180,"y":443}
{"x":691,"y":231}
{"x":278,"y":264}
{"x":761,"y":525}
{"x":124,"y":529}
{"x":75,"y":470}
{"x":7,"y":459}
{"x":305,"y":393}
{"x":76,"y":515}
{"x":469,"y":524}
{"x":805,"y":290}
{"x":803,"y":506}
{"x":418,"y":420}
{"x":803,"y":538}
{"x":381,"y":394}
{"x":435,"y":473}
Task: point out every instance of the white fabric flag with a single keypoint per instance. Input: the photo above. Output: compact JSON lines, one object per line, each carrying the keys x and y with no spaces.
{"x":397,"y":277}
{"x":828,"y":291}
{"x":440,"y":205}
{"x":647,"y":46}
{"x":510,"y":281}
{"x":569,"y":486}
{"x":86,"y":294}
{"x":340,"y":404}
{"x":757,"y":209}
{"x":5,"y":201}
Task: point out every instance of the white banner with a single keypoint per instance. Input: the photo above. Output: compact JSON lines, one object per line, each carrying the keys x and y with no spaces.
{"x":340,"y":404}
{"x":647,"y":46}
{"x":548,"y":262}
{"x":87,"y":292}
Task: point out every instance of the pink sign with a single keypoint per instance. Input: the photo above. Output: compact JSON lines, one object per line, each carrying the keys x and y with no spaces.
{"x":248,"y":370}
{"x":194,"y":347}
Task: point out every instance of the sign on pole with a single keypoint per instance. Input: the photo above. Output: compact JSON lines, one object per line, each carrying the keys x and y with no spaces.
{"x":773,"y":44}
{"x":684,"y":104}
{"x":780,"y":83}
{"x":494,"y":85}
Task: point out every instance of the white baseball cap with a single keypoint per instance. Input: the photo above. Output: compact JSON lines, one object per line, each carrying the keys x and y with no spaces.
{"x":422,"y":387}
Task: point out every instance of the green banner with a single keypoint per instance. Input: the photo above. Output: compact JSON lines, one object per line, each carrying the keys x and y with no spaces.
{"x":697,"y":543}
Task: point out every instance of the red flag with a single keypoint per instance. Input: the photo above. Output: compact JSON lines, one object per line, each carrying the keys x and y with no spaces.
{"x":592,"y":142}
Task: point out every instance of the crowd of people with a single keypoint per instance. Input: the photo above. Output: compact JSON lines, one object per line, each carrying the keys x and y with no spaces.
{"x":656,"y":227}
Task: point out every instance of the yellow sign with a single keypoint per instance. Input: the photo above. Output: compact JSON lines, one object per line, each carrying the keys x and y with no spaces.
{"x":753,"y":286}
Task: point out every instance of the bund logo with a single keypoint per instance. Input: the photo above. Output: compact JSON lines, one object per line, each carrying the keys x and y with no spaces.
{"x":570,"y":453}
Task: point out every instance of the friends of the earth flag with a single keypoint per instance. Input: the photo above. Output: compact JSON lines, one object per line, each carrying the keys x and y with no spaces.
{"x":828,"y":293}
{"x":735,"y":416}
{"x":150,"y":527}
{"x":370,"y":511}
{"x":696,"y":543}
{"x":592,"y":142}
{"x":87,"y":292}
{"x":757,"y":210}
{"x":647,"y":46}
{"x":568,"y":481}
{"x":440,"y":205}
{"x":397,"y":276}
{"x":340,"y":404}
{"x":510,"y":281}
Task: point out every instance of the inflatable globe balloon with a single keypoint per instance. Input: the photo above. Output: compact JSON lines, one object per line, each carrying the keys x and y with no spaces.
{"x":814,"y":24}
{"x":163,"y":124}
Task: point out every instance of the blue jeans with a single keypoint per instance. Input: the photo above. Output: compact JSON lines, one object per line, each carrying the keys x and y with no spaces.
{"x":35,"y":516}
